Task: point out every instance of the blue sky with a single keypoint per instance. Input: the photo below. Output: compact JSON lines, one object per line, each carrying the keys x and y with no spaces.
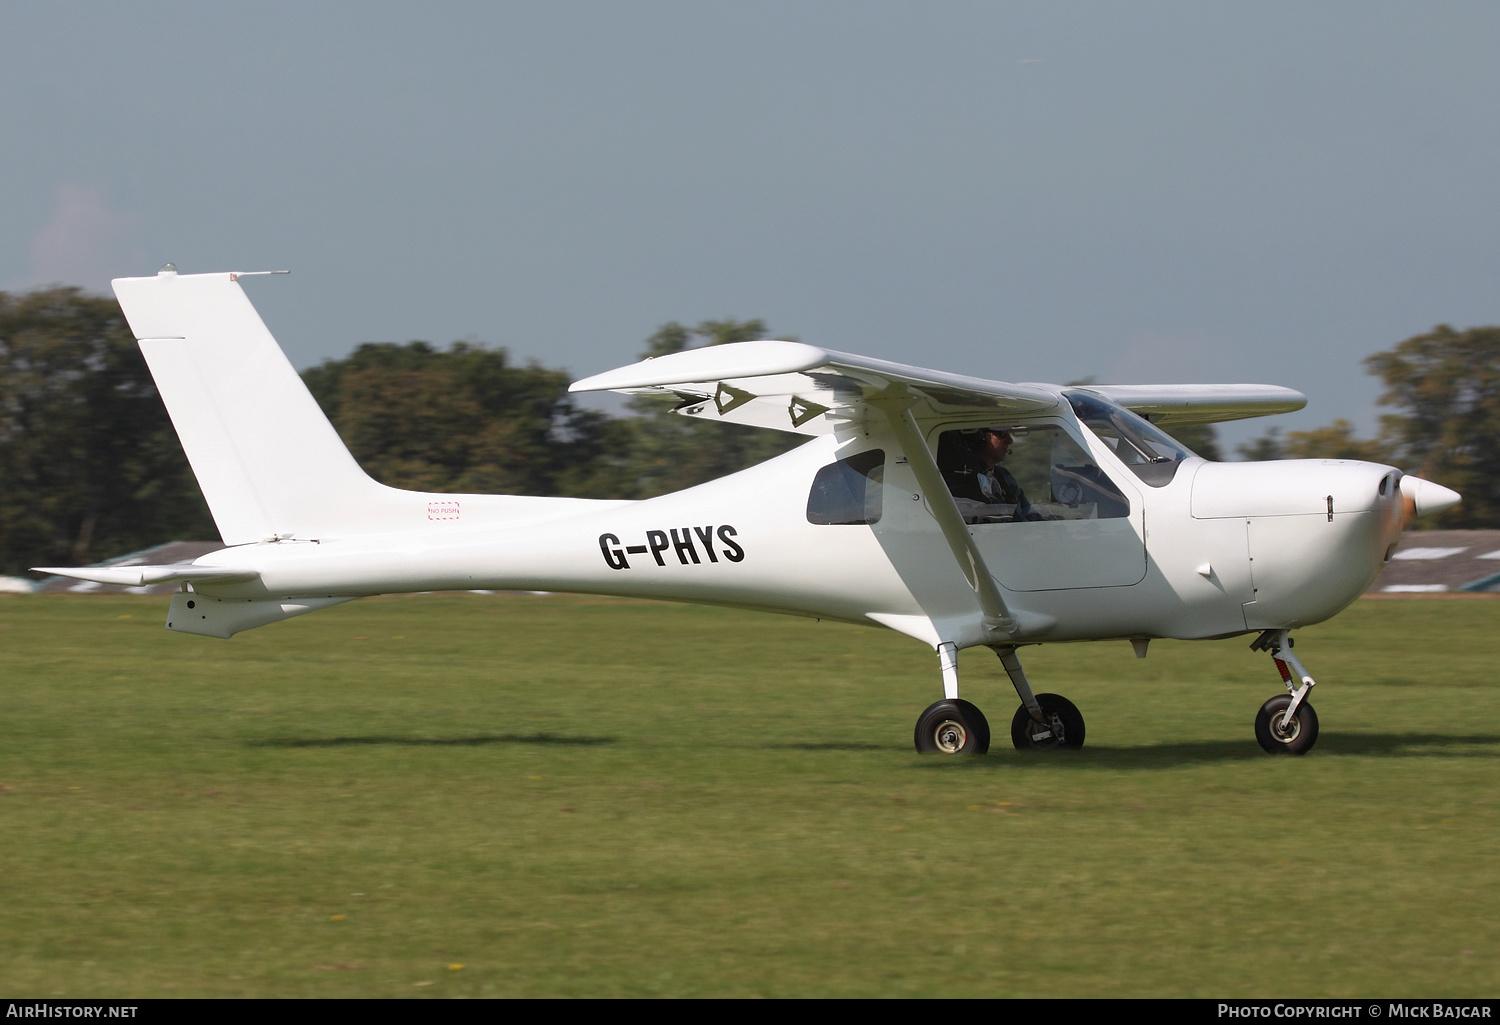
{"x":1026,"y":191}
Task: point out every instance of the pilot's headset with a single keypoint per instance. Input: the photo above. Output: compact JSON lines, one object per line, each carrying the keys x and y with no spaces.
{"x":975,"y":438}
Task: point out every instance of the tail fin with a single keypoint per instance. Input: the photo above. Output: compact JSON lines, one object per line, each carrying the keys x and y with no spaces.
{"x":266,"y":457}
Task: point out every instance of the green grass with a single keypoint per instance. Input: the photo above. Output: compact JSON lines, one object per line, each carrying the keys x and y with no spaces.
{"x":595,"y":797}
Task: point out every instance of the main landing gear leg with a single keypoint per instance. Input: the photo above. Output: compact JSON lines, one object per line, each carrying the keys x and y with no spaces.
{"x":951,"y":726}
{"x":1287,"y":723}
{"x":1043,"y":720}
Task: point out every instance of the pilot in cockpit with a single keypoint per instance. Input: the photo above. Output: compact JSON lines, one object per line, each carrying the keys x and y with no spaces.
{"x":970,"y":464}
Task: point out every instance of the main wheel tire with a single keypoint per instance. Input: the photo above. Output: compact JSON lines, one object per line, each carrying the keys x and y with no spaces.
{"x":952,"y":728}
{"x":1280,"y":737}
{"x":1059,"y":712}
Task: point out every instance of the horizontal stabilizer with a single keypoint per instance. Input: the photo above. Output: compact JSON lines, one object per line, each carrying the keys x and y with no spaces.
{"x":140,"y":576}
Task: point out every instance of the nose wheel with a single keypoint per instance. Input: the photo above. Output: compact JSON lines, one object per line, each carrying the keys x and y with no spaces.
{"x":1287,"y":724}
{"x":1283,"y":731}
{"x":952,"y":727}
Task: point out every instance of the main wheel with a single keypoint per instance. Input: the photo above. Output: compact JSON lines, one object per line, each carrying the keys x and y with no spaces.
{"x":952,"y":728}
{"x":1063,"y":726}
{"x":1279,"y":736}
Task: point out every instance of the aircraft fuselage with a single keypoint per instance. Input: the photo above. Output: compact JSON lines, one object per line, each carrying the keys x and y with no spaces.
{"x":1222,"y":549}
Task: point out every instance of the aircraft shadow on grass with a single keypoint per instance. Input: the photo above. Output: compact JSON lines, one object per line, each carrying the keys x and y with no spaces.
{"x":826,"y":745}
{"x":1155,"y":756}
{"x":474,"y":741}
{"x":1167,"y":756}
{"x":1468,"y":745}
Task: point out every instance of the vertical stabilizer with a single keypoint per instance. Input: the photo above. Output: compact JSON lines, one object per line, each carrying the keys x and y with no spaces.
{"x":266,"y":457}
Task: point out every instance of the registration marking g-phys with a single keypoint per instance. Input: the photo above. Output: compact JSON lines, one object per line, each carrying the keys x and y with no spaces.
{"x":686,"y":543}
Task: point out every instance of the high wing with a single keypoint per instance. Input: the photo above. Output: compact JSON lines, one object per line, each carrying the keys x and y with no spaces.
{"x":804,"y":389}
{"x":801,"y":388}
{"x":1201,"y":403}
{"x":794,"y":387}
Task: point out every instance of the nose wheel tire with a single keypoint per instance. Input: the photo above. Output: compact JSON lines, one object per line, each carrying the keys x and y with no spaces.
{"x":953,"y":727}
{"x":1062,"y":725}
{"x":1280,"y":736}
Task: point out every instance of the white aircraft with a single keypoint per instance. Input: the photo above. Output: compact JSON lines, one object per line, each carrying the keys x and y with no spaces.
{"x":956,"y":510}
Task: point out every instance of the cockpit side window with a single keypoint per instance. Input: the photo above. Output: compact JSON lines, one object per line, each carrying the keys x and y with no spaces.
{"x":848,"y":491}
{"x":1149,"y":452}
{"x":1015,"y":473}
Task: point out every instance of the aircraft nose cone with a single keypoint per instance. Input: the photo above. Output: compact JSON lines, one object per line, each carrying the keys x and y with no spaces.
{"x":1426,"y":497}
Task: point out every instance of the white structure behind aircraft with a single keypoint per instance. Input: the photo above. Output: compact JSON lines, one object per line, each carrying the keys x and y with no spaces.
{"x":956,"y":510}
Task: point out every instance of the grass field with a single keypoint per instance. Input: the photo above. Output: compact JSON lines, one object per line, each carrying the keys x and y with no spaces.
{"x":461,"y":795}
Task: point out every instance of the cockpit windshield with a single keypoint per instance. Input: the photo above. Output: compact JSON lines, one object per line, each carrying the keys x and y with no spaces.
{"x":1149,"y":452}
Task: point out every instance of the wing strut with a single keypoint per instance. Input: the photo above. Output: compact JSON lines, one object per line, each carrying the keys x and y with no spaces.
{"x":897,"y":411}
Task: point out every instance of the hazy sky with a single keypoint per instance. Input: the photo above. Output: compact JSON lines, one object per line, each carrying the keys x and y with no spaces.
{"x":1027,"y":191}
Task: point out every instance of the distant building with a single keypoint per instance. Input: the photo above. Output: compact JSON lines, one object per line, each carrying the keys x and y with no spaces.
{"x":1433,"y":561}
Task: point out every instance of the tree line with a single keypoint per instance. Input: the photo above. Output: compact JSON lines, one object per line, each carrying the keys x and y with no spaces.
{"x":90,"y":467}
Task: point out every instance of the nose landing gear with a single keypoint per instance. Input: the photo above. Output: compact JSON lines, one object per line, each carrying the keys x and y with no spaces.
{"x":1286,"y":724}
